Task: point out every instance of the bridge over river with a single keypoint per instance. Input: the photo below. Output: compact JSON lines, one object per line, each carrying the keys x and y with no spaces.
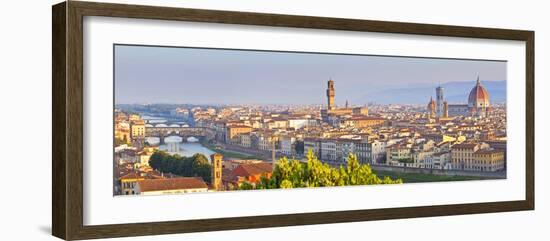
{"x":201,"y":133}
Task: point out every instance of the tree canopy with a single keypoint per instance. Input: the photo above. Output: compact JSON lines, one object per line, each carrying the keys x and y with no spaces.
{"x":314,"y":173}
{"x":193,"y":166}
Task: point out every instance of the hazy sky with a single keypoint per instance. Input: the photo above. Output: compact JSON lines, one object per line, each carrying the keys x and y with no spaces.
{"x":146,"y":74}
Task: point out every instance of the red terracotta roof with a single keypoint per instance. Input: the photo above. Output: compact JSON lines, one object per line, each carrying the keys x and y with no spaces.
{"x":228,"y":176}
{"x":149,"y":185}
{"x":131,"y":175}
{"x":478,"y":94}
{"x":251,"y":169}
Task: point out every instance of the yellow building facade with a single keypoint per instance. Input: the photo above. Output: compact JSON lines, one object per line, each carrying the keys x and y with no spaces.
{"x":137,"y":129}
{"x":234,"y":131}
{"x":489,"y":160}
{"x":477,"y":157}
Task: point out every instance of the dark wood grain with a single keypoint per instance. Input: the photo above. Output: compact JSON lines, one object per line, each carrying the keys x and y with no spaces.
{"x":58,"y":121}
{"x":74,"y":121}
{"x":67,"y":136}
{"x":530,"y":120}
{"x":279,"y":20}
{"x":121,"y":230}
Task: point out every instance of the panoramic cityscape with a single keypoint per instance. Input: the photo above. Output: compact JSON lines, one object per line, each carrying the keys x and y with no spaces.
{"x":190,"y":120}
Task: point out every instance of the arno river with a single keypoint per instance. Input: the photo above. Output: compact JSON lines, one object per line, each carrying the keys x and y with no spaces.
{"x":186,"y":149}
{"x":176,"y":145}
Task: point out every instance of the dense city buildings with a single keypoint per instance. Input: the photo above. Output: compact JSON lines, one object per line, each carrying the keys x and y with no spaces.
{"x":240,"y":143}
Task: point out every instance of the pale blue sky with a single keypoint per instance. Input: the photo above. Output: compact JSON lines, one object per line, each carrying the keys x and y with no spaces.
{"x":145,"y":74}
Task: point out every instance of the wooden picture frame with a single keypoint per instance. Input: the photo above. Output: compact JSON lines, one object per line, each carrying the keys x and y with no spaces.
{"x":67,"y":138}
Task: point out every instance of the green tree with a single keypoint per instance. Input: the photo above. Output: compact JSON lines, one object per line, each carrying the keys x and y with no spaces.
{"x":245,"y":186}
{"x":194,"y":166}
{"x":286,"y":184}
{"x":314,"y":173}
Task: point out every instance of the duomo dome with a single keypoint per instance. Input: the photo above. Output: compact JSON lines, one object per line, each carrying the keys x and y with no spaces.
{"x":479,"y":97}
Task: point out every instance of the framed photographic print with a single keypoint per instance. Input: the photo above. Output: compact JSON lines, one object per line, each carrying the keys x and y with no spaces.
{"x":210,"y":120}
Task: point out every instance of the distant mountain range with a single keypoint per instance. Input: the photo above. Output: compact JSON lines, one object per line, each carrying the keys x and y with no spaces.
{"x":454,"y":93}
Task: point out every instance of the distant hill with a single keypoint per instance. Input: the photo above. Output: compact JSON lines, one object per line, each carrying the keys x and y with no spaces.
{"x":454,"y":92}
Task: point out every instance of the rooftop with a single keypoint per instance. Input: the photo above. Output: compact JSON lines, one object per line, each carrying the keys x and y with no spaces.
{"x":488,"y":151}
{"x":149,"y":185}
{"x":251,"y":169}
{"x":465,"y":146}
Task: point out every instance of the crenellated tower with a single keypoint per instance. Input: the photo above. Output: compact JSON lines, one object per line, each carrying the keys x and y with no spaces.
{"x":330,"y":95}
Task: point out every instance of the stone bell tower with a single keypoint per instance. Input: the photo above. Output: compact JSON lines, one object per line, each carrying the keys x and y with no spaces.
{"x":216,"y":171}
{"x":445,"y":109}
{"x":330,"y":94}
{"x":439,"y":101}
